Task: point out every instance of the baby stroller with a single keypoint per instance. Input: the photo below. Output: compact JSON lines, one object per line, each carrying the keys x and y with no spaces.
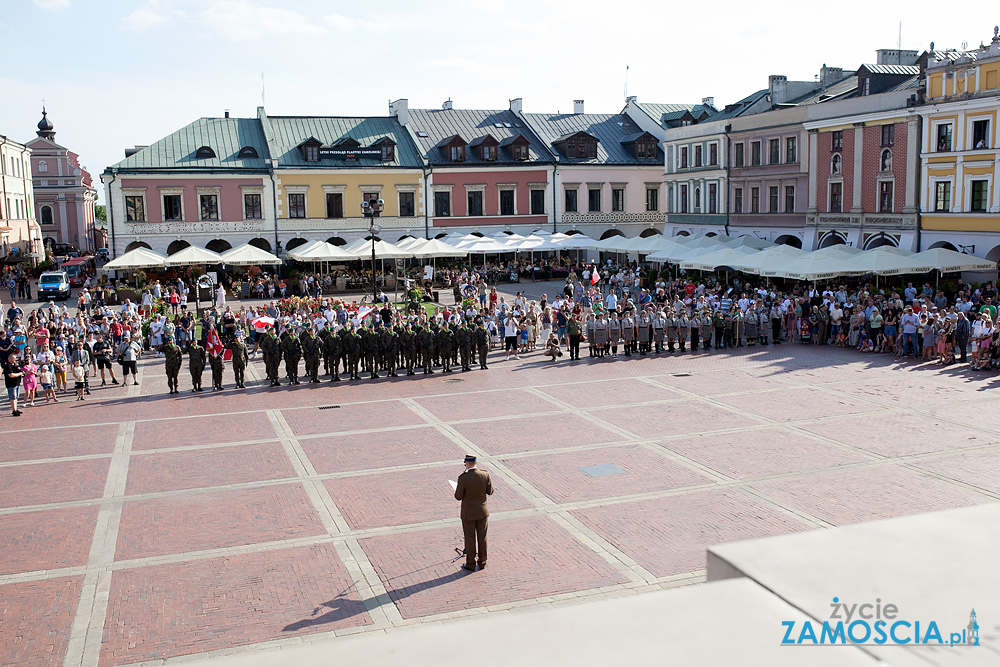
{"x":806,"y":332}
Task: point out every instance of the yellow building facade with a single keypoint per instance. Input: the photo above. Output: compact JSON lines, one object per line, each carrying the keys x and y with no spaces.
{"x":960,"y":151}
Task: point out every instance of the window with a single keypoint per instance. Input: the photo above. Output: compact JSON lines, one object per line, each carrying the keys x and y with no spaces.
{"x":458,"y":153}
{"x":538,"y":202}
{"x":774,"y":151}
{"x":713,"y":191}
{"x":205,"y":152}
{"x":297,"y":205}
{"x":475,"y":201}
{"x":885,"y":197}
{"x":942,"y":196}
{"x":251,"y":207}
{"x":520,"y":152}
{"x":43,"y":167}
{"x":388,"y":151}
{"x":571,"y":204}
{"x":980,"y":134}
{"x":652,"y":199}
{"x":738,"y":157}
{"x":312,"y":154}
{"x":594,"y":201}
{"x":791,"y":150}
{"x":789,"y":199}
{"x":506,"y":202}
{"x":248,"y":152}
{"x":887,"y":132}
{"x":755,"y":153}
{"x":737,"y":200}
{"x":645,"y":149}
{"x":334,"y":204}
{"x":979,"y":190}
{"x":442,"y":204}
{"x":944,"y":137}
{"x":836,"y":196}
{"x":713,"y":154}
{"x":617,"y":199}
{"x":837,"y":140}
{"x":171,"y":207}
{"x":135,"y":210}
{"x":684,"y":199}
{"x":697,"y":156}
{"x":866,"y":86}
{"x":209,"y":207}
{"x":684,"y":157}
{"x":772,"y":199}
{"x":755,"y":200}
{"x":489,"y":153}
{"x":697,"y":199}
{"x":47,"y":214}
{"x":406,"y":205}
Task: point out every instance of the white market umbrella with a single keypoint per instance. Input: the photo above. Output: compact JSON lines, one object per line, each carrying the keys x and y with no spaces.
{"x":410,"y":242}
{"x":773,"y":257}
{"x":320,"y":251}
{"x":436,"y":248}
{"x":355,"y":244}
{"x":574,"y":242}
{"x":952,"y":261}
{"x":487,"y":247}
{"x":249,"y":255}
{"x":886,"y":263}
{"x":680,"y":252}
{"x":748,"y":242}
{"x":193,"y":256}
{"x":383,"y":250}
{"x":140,"y":258}
{"x":717,"y":258}
{"x":837,"y":250}
{"x":615,"y":243}
{"x":809,"y":267}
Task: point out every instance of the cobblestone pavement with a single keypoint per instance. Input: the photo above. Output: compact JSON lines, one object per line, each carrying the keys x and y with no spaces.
{"x":137,"y":526}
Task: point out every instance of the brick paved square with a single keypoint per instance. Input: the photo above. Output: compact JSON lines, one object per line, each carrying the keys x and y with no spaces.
{"x":910,"y":390}
{"x":979,"y":468}
{"x":797,"y":404}
{"x":760,"y":452}
{"x":411,"y":496}
{"x":528,"y":434}
{"x":35,"y":620}
{"x":655,"y":421}
{"x":709,"y":383}
{"x":193,"y":431}
{"x":560,"y":478}
{"x":365,"y":451}
{"x":46,"y":539}
{"x":529,"y":557}
{"x":611,"y":392}
{"x":896,"y":434}
{"x":53,"y":443}
{"x":61,"y":481}
{"x":475,"y":405}
{"x":217,"y":466}
{"x":670,"y":535}
{"x":867,"y":494}
{"x":215,"y":603}
{"x":197,"y":521}
{"x":351,"y":417}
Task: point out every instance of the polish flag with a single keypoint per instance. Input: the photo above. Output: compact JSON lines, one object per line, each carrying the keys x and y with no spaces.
{"x":214,"y":343}
{"x":362,"y":313}
{"x":595,"y":277}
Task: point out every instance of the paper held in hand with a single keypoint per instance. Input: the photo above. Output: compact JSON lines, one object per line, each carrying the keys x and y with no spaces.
{"x":454,"y":484}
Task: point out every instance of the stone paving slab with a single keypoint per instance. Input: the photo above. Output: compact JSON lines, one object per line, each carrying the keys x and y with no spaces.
{"x":610,"y":392}
{"x":351,"y":417}
{"x":46,"y":539}
{"x":219,"y":466}
{"x":527,"y":434}
{"x":506,"y":403}
{"x":61,"y":481}
{"x":385,"y":449}
{"x":57,"y":442}
{"x":796,"y":404}
{"x":187,"y":432}
{"x":651,"y":421}
{"x":902,"y":434}
{"x":35,"y":620}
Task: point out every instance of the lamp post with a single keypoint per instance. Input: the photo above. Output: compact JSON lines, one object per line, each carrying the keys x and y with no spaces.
{"x":372,"y":210}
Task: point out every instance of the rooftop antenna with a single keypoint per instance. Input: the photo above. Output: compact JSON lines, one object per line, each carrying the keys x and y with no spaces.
{"x":626,"y":81}
{"x":899,"y":45}
{"x":262,"y":90}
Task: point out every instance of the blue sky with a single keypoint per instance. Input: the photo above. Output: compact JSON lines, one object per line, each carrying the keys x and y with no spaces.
{"x":115,"y":74}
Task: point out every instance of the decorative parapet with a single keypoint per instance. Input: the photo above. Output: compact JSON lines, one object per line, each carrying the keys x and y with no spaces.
{"x":345,"y":224}
{"x":180,"y":228}
{"x":642,"y":216}
{"x":882,"y":220}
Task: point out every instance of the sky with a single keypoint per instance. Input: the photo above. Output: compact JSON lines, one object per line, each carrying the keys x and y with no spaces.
{"x":116,"y":74}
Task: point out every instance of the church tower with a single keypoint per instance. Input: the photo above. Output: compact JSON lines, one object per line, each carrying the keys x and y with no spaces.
{"x":972,"y":636}
{"x":46,"y":130}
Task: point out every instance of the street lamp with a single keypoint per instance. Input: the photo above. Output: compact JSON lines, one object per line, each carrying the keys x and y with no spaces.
{"x":372,"y":210}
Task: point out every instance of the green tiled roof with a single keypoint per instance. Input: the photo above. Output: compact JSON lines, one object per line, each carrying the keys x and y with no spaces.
{"x":613,"y":132}
{"x":288,"y":132}
{"x":225,"y":136}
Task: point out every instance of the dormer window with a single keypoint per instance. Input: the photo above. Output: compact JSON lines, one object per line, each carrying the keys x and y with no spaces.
{"x":520,"y":152}
{"x":312,"y":153}
{"x":248,"y":152}
{"x":488,"y":153}
{"x":205,"y":152}
{"x":645,"y":149}
{"x":388,"y":152}
{"x":458,"y":153}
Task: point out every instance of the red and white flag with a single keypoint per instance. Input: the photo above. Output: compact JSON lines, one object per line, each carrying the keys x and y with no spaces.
{"x":214,"y":343}
{"x":595,"y":277}
{"x":362,"y":313}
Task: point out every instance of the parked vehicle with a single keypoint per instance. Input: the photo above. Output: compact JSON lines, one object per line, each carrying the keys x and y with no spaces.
{"x":78,"y":268}
{"x":53,"y":285}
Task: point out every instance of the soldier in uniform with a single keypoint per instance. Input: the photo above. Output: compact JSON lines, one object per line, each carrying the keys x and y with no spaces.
{"x":272,"y":355}
{"x":312,"y":350}
{"x":446,"y":343}
{"x":390,"y":350}
{"x":369,"y":345}
{"x":352,"y":346}
{"x":324,"y":335}
{"x":659,"y":326}
{"x":628,"y":333}
{"x":331,"y":354}
{"x":719,"y":324}
{"x":427,"y":350}
{"x":481,"y":337}
{"x":172,"y":354}
{"x":408,"y":341}
{"x":196,"y":364}
{"x":218,"y":365}
{"x":614,"y":333}
{"x":464,"y":340}
{"x":344,"y":333}
{"x":240,"y":359}
{"x":291,"y":349}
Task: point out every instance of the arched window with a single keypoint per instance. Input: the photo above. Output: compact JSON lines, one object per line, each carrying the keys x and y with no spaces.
{"x":46,"y":215}
{"x":247,"y":151}
{"x":697,"y":197}
{"x":205,"y":152}
{"x":43,"y":167}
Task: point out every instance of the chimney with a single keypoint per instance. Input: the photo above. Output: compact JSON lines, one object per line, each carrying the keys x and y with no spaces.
{"x":577,"y":106}
{"x":401,"y":110}
{"x":708,"y":102}
{"x":776,"y":86}
{"x":631,"y":99}
{"x":516,"y":105}
{"x":447,"y":104}
{"x":227,"y":113}
{"x":830,"y":75}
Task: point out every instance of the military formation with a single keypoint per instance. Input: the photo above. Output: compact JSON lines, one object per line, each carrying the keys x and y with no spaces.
{"x":351,"y":352}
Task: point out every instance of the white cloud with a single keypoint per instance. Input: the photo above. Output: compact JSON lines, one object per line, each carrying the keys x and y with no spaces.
{"x":466,"y":66}
{"x":52,"y":4}
{"x":240,"y":20}
{"x":153,"y":14}
{"x":342,"y":23}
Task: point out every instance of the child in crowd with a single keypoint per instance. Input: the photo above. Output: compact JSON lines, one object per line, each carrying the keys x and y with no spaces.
{"x":45,"y":378}
{"x":30,"y":380}
{"x":78,"y":377}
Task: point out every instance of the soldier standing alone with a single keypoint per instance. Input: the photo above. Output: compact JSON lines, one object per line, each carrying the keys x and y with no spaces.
{"x":172,"y":358}
{"x":474,"y":485}
{"x":240,"y":359}
{"x":196,"y":364}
